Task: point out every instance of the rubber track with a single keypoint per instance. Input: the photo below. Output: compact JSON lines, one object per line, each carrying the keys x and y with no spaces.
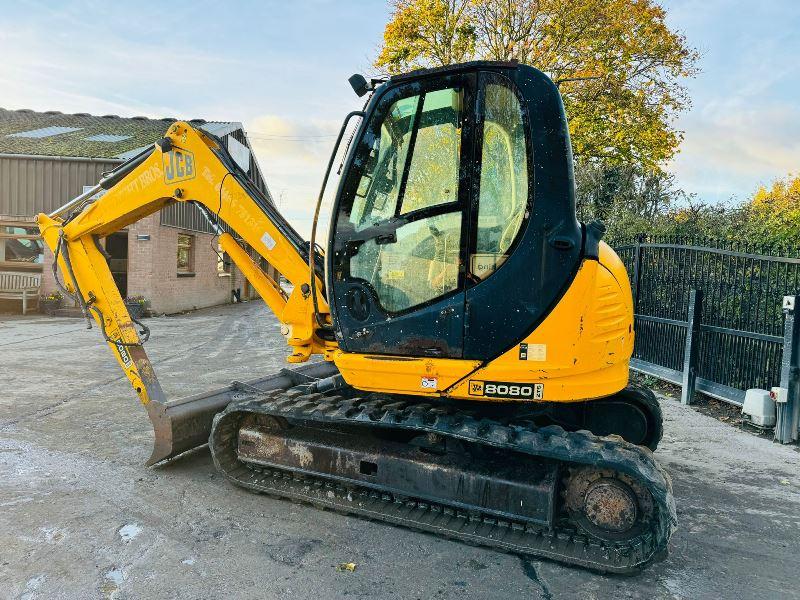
{"x":562,"y":543}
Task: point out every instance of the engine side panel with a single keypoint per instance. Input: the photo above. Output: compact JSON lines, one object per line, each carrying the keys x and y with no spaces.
{"x":402,"y":375}
{"x":579,"y":352}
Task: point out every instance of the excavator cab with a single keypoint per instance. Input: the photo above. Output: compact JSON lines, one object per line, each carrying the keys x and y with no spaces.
{"x":458,"y":191}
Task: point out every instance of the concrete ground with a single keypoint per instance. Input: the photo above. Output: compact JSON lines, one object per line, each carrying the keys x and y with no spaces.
{"x":80,"y":517}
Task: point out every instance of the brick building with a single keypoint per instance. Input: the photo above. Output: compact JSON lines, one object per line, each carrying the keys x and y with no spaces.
{"x":48,"y":158}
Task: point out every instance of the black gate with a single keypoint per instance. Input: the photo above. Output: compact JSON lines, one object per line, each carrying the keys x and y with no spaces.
{"x":738,"y":323}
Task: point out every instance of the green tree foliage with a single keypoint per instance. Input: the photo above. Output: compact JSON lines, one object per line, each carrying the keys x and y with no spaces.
{"x":629,"y":200}
{"x":632,"y":202}
{"x":618,"y":65}
{"x":773,"y":214}
{"x":620,"y":71}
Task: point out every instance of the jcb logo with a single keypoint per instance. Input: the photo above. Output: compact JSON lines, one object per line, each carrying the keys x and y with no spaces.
{"x":476,"y":388}
{"x":178,"y":166}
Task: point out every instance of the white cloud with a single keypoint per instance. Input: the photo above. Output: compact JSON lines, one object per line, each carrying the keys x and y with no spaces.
{"x":293,"y":154}
{"x":271,"y":70}
{"x":744,"y":128}
{"x":733,"y":145}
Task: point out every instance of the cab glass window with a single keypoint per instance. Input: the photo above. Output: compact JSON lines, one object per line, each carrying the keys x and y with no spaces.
{"x":379,"y":186}
{"x":412,"y":171}
{"x":433,"y":169}
{"x":502,"y":203}
{"x":420,"y":266}
{"x":413,"y":163}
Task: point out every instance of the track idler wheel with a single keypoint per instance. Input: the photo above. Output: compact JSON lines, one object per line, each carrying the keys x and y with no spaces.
{"x":633,"y":414}
{"x":606,"y":504}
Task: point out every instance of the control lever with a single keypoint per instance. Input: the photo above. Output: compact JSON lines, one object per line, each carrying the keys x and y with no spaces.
{"x":389,"y":238}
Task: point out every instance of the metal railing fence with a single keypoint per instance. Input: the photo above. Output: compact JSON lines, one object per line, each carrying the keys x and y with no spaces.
{"x":740,"y":336}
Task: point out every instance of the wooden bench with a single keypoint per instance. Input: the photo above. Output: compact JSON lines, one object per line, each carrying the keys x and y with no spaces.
{"x":20,"y":286}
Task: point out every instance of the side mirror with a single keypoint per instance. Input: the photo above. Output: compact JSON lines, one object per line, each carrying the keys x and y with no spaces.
{"x":359,"y":84}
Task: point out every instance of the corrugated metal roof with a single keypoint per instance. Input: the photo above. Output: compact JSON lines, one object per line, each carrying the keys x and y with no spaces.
{"x":221,"y":129}
{"x":84,"y":135}
{"x":32,"y":185}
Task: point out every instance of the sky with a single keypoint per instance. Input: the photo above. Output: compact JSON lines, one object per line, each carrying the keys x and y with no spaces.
{"x":281,"y":68}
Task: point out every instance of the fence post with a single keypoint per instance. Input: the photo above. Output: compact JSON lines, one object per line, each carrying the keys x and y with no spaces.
{"x":691,"y":349}
{"x":637,"y":272}
{"x":789,"y":407}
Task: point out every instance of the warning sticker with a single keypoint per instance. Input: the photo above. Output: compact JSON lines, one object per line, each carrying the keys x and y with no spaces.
{"x":268,"y":240}
{"x":429,"y":383}
{"x":484,"y":264}
{"x":537,"y":352}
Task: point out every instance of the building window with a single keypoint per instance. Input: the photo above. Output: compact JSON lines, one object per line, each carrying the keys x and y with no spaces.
{"x":21,"y":246}
{"x":185,"y":254}
{"x":223,"y":262}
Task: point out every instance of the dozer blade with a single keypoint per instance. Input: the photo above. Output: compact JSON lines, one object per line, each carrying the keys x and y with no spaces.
{"x":184,"y":424}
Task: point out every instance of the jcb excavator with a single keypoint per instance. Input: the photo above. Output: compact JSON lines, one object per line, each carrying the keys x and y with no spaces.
{"x":474,"y":336}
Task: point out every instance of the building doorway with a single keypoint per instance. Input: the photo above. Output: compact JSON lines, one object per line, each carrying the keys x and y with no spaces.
{"x":117,"y":249}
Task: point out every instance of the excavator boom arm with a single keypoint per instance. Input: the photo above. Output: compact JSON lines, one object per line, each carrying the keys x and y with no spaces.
{"x":187,"y":165}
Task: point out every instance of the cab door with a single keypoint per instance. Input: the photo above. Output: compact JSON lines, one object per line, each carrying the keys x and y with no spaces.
{"x":525,"y":243}
{"x":497,"y":268}
{"x":396,"y":269}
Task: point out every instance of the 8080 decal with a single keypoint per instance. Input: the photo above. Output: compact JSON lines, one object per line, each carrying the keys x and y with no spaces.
{"x":506,"y":389}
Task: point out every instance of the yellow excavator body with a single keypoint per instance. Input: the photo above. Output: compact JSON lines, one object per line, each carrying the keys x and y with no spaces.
{"x":579,"y":352}
{"x":472,"y":337}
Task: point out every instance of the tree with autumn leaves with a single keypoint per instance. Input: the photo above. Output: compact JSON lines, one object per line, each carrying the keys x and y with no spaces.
{"x":773,"y":213}
{"x":621,"y":71}
{"x":618,"y":65}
